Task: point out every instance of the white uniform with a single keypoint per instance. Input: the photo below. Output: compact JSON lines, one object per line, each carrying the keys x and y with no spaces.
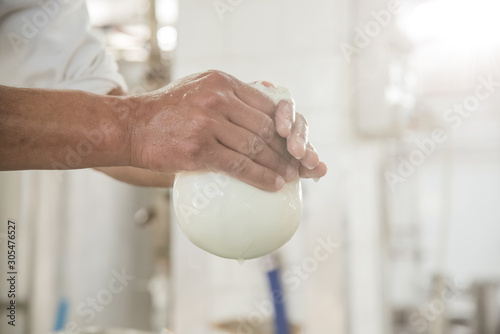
{"x":48,"y":44}
{"x":75,"y":234}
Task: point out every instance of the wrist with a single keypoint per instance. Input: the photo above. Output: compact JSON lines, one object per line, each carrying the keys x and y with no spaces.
{"x":116,"y":127}
{"x":133,"y":109}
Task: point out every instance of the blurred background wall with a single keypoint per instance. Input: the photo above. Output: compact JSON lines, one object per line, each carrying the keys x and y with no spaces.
{"x":402,"y":100}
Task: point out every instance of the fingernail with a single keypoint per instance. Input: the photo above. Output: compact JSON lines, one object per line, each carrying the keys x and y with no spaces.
{"x":302,"y":141}
{"x":290,"y":172}
{"x":316,"y":179}
{"x":280,"y":182}
{"x":267,"y":84}
{"x":311,"y":147}
{"x":289,"y":125}
{"x":299,"y":146}
{"x":311,"y":164}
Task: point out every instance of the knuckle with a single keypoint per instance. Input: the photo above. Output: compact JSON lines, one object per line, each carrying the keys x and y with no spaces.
{"x":252,"y":146}
{"x":209,"y":99}
{"x":256,"y":145}
{"x":241,"y":166}
{"x":216,"y":76}
{"x":201,"y":121}
{"x":267,"y":130}
{"x":213,"y":100}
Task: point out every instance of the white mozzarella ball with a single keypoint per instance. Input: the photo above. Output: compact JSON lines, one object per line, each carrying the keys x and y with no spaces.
{"x":232,"y":219}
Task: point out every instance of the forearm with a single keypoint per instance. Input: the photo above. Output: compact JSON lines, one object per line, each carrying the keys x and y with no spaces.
{"x":139,"y":177}
{"x":61,"y":129}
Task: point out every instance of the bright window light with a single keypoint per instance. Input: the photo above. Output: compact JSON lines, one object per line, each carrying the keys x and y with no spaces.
{"x":460,"y":23}
{"x":167,"y":38}
{"x":167,"y":12}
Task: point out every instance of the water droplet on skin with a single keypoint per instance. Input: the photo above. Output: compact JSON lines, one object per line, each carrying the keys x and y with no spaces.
{"x":241,"y":261}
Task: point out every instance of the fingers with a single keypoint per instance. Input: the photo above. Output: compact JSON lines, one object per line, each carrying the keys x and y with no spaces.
{"x":315,"y":173}
{"x":257,"y":143}
{"x":284,"y":114}
{"x":246,"y":170}
{"x":255,"y":148}
{"x":297,"y":141}
{"x":254,"y":98}
{"x":267,"y":84}
{"x":288,"y":124}
{"x":285,"y":117}
{"x":311,"y":158}
{"x":261,"y":124}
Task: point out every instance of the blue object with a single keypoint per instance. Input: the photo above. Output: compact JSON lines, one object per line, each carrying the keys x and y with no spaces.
{"x":61,"y":315}
{"x":280,"y":321}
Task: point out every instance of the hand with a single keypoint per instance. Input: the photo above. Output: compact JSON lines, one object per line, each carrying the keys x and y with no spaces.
{"x":212,"y":121}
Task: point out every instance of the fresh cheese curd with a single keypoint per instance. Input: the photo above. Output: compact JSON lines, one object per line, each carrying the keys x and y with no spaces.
{"x":233,"y":219}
